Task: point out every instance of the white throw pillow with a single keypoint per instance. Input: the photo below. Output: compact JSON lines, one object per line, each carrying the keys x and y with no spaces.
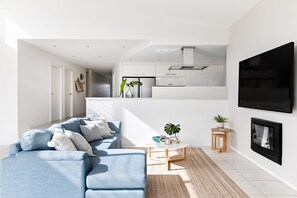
{"x":90,"y":132}
{"x":102,"y":126}
{"x":79,"y":142}
{"x":104,"y":119}
{"x":61,"y":142}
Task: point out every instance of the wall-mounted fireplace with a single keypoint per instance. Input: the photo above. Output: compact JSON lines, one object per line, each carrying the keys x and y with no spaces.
{"x":266,"y":139}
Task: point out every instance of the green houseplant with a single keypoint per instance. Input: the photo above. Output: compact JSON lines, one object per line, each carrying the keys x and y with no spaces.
{"x":130,"y":85}
{"x":172,"y":129}
{"x":220,"y":120}
{"x":122,"y":87}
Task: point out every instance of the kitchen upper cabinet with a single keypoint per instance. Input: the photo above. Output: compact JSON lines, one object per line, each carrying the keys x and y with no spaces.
{"x":163,"y":70}
{"x":139,"y":70}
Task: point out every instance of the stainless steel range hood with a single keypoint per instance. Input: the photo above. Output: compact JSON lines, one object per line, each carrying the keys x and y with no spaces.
{"x":188,"y":61}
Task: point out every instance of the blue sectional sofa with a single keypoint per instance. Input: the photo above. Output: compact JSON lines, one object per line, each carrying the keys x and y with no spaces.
{"x":112,"y":173}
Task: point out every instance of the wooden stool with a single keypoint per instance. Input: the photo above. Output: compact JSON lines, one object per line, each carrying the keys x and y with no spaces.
{"x":216,"y":143}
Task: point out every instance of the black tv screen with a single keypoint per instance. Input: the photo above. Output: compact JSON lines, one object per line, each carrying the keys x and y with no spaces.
{"x":266,"y":81}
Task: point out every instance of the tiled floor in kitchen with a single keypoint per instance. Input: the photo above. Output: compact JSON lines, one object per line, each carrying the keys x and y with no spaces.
{"x":250,"y":178}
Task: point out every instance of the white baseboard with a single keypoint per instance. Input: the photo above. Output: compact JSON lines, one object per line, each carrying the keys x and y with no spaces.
{"x":265,"y":169}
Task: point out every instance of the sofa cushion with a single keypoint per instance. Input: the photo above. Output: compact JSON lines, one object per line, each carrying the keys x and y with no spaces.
{"x":115,"y":126}
{"x":108,"y":143}
{"x":118,"y":169}
{"x":122,"y":193}
{"x":82,"y":120}
{"x":54,"y":127}
{"x":36,"y":140}
{"x":72,"y":125}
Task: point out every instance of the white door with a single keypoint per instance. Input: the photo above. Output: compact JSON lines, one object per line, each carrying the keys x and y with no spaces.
{"x":56,"y":93}
{"x":68,"y":93}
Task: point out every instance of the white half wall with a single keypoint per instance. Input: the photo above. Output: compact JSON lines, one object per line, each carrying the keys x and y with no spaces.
{"x":143,"y":118}
{"x":269,"y":24}
{"x":34,"y":82}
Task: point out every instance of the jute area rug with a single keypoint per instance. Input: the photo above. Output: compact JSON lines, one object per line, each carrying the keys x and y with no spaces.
{"x":197,"y":176}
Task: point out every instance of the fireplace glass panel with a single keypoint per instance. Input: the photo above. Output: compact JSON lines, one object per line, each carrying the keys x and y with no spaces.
{"x":263,"y":136}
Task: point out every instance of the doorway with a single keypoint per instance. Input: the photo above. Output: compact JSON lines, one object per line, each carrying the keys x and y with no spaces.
{"x":68,"y":94}
{"x":56,"y":93}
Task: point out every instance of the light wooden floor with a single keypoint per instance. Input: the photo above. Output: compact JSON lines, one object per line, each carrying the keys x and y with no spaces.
{"x":198,"y":176}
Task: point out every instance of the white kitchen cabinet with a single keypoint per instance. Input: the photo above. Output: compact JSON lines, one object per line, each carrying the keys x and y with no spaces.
{"x":170,"y":81}
{"x":139,"y":70}
{"x":163,"y":70}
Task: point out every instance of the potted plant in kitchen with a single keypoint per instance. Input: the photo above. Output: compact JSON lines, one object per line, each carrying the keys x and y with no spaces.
{"x":122,"y":86}
{"x":130,"y":86}
{"x":220,"y":121}
{"x":172,"y":130}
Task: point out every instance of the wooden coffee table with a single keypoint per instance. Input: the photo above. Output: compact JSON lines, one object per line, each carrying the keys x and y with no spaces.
{"x":169,"y":160}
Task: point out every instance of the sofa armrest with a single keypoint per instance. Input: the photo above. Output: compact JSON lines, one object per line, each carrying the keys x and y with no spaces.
{"x":115,"y":126}
{"x":15,"y":148}
{"x":53,"y":155}
{"x":56,"y":174}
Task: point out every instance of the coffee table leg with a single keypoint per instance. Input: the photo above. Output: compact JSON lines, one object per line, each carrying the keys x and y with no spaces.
{"x":184,"y":153}
{"x":149,"y":151}
{"x":167,"y":160}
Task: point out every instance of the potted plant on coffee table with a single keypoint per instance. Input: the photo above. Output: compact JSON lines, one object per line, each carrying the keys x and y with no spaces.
{"x":220,"y":121}
{"x":172,"y":130}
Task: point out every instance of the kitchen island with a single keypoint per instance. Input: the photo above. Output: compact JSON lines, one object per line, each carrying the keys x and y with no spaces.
{"x":143,"y":118}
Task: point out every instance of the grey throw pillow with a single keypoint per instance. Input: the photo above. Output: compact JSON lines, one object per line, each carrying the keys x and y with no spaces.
{"x":90,"y":132}
{"x":103,"y":119}
{"x":79,"y":142}
{"x":103,"y":127}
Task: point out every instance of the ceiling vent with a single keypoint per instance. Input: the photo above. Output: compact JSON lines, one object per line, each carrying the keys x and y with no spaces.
{"x":188,"y":61}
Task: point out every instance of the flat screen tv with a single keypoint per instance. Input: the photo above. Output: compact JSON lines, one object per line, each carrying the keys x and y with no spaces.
{"x":266,"y":81}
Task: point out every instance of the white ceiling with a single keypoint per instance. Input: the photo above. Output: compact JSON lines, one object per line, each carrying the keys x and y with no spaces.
{"x":97,"y":54}
{"x":172,"y":54}
{"x":150,"y":16}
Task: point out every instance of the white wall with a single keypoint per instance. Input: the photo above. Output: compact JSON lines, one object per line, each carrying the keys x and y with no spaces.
{"x":143,"y":118}
{"x":55,"y":19}
{"x":269,"y":24}
{"x":34,"y":83}
{"x":213,"y":75}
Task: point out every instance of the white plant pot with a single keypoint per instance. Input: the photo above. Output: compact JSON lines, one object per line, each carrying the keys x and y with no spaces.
{"x":220,"y":125}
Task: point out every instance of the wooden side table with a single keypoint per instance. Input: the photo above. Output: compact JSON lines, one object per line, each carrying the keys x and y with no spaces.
{"x":222,"y":132}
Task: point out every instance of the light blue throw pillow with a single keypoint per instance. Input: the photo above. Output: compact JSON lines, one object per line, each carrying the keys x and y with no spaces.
{"x":36,"y":140}
{"x":72,"y":125}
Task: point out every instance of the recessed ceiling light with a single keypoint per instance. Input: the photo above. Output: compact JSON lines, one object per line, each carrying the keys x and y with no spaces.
{"x":54,"y":46}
